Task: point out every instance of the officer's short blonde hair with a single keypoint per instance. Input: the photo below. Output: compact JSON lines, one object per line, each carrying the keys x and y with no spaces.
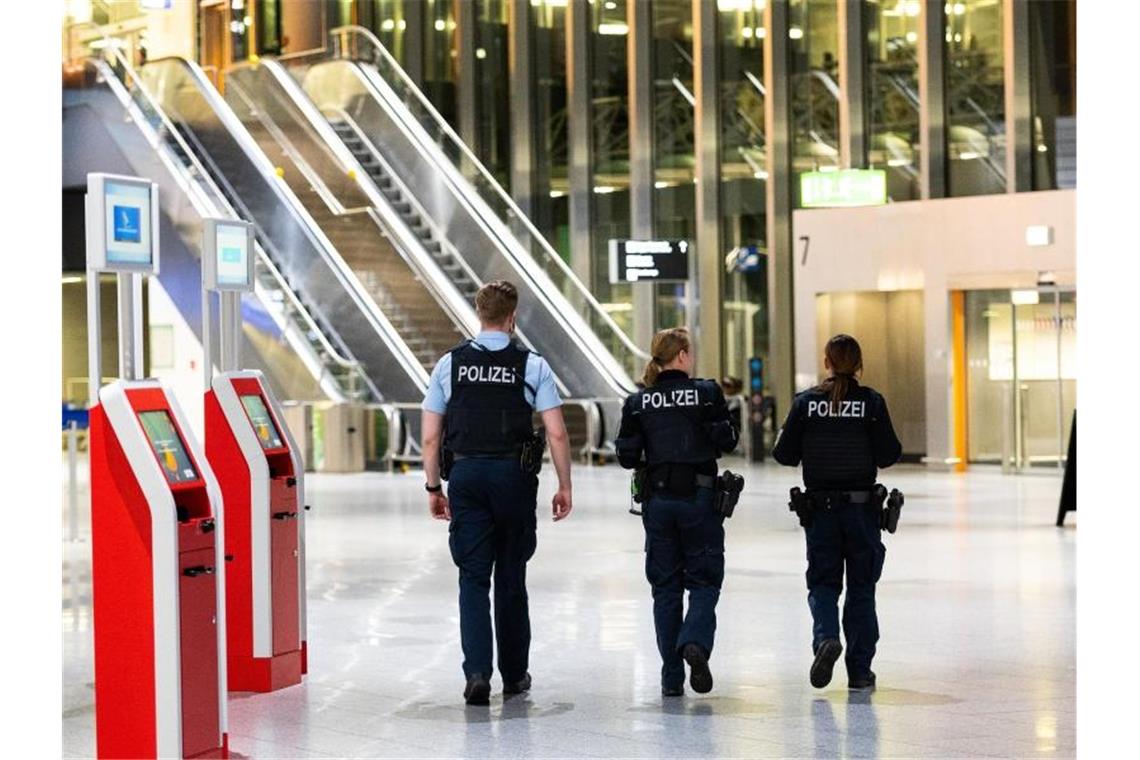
{"x":496,"y":301}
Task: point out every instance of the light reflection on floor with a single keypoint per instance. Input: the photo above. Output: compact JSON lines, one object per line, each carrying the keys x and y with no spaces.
{"x":977,"y":610}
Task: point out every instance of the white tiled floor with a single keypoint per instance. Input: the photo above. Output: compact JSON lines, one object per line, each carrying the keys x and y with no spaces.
{"x":977,"y":611}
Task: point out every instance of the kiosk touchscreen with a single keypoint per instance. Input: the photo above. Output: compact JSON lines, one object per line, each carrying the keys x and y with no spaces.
{"x":158,"y":595}
{"x":261,"y":475}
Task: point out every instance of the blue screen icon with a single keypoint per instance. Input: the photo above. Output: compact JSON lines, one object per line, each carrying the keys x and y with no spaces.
{"x":128,"y":224}
{"x":231,"y":255}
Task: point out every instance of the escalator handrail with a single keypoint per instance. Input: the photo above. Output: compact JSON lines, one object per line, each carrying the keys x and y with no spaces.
{"x":324,"y":246}
{"x":217,"y":204}
{"x":523,"y":219}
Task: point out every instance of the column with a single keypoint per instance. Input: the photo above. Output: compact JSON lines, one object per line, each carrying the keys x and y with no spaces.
{"x":710,"y":258}
{"x":932,"y":99}
{"x":640,"y":71}
{"x":781,"y":256}
{"x":521,"y":64}
{"x":1018,"y":108}
{"x":852,"y":86}
{"x":580,"y":129}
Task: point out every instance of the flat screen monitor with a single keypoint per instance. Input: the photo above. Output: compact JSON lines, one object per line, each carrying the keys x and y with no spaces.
{"x":231,"y":251}
{"x":168,"y":446}
{"x":128,"y":236}
{"x":267,"y":434}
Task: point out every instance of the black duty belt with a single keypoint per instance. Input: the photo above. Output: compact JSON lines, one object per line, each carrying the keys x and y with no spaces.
{"x":508,"y":455}
{"x":839,"y":498}
{"x":706,"y":481}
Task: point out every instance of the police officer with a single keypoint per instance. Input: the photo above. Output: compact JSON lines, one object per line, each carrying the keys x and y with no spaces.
{"x":677,"y":427}
{"x":841,"y":432}
{"x":479,"y":405}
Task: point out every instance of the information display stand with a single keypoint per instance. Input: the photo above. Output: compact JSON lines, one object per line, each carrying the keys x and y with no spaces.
{"x":158,"y":570}
{"x":262,"y":480}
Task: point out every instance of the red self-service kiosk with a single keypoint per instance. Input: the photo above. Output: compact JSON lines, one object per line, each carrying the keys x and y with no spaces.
{"x":157,"y":544}
{"x":261,"y":475}
{"x":157,"y":559}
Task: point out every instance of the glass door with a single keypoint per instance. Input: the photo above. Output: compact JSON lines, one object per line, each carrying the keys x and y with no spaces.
{"x":1021,"y":383}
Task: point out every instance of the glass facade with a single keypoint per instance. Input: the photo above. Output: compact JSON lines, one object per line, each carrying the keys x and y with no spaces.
{"x":975,"y":97}
{"x":492,"y":96}
{"x":609,"y":95}
{"x":892,"y":93}
{"x":674,"y":199}
{"x":813,"y":41}
{"x":971,"y":116}
{"x":552,"y":209}
{"x":743,"y":175}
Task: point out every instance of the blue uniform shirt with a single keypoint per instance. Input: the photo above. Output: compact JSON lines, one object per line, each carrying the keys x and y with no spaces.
{"x":541,"y":392}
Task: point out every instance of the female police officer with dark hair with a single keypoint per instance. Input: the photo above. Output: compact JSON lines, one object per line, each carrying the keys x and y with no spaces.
{"x":675,"y":428}
{"x":842,"y":433}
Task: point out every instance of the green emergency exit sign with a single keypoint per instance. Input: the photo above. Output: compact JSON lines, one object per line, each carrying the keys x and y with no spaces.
{"x":844,"y":187}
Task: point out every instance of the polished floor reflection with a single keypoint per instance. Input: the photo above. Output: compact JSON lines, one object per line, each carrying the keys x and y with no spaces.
{"x":976,"y":606}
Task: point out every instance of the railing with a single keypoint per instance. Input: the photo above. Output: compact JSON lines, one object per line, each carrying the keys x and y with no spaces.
{"x":217,"y":203}
{"x":358,"y":43}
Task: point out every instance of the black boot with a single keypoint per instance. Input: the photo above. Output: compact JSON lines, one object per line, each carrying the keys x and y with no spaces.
{"x":672,"y":691}
{"x":700,"y":677}
{"x":825,"y":658}
{"x":517,"y":687}
{"x":865,"y":681}
{"x":478,"y":691}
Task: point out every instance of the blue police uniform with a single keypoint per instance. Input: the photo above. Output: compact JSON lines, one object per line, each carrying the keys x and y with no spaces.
{"x":677,"y":428}
{"x":487,"y":389}
{"x":841,"y":445}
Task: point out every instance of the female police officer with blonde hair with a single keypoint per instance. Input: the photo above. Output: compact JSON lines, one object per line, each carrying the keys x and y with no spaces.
{"x":676,"y":428}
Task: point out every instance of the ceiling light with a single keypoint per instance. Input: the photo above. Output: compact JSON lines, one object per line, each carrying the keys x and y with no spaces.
{"x":616,"y":28}
{"x":480,"y":53}
{"x":1024,"y":297}
{"x":387,"y":25}
{"x":604,"y":189}
{"x":795,"y":33}
{"x":440,"y":25}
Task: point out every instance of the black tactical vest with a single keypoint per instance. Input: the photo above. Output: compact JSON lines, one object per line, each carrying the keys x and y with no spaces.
{"x":837,"y":447}
{"x":488,"y":413}
{"x":671,"y":414}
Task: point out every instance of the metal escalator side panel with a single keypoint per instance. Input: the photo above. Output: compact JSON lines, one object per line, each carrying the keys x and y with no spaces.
{"x":305,"y":256}
{"x":407,"y":245}
{"x":560,"y":333}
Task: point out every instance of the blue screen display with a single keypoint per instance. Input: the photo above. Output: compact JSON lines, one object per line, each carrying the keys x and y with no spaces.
{"x":128,"y":224}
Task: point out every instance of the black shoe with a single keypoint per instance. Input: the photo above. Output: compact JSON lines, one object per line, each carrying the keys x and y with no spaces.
{"x":517,"y":687}
{"x":825,"y":658}
{"x":478,"y":691}
{"x":862,"y":682}
{"x":672,"y":691}
{"x":700,"y":677}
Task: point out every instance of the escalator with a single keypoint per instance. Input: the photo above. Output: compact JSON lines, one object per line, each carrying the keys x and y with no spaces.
{"x":321,"y":252}
{"x":472,"y":227}
{"x":381,"y":243}
{"x":112,"y":124}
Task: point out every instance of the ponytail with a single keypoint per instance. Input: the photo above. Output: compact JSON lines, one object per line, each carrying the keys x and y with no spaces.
{"x":845,"y":358}
{"x":664,"y":349}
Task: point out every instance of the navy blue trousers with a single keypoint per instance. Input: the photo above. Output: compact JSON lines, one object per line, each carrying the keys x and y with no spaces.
{"x":492,"y":533}
{"x":684,"y":550}
{"x":846,"y":538}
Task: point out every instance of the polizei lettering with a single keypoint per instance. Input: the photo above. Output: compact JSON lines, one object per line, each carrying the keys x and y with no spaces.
{"x":487,"y":374}
{"x":670,"y":399}
{"x":837,"y":409}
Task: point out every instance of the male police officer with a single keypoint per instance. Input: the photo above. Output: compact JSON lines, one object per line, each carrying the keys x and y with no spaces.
{"x":480,"y":401}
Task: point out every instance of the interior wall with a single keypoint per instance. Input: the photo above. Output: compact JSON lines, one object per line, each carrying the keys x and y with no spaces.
{"x":302,"y":25}
{"x":889,"y":328}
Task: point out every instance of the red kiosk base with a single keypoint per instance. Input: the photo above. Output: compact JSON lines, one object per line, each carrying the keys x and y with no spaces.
{"x":158,"y":581}
{"x":261,"y":477}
